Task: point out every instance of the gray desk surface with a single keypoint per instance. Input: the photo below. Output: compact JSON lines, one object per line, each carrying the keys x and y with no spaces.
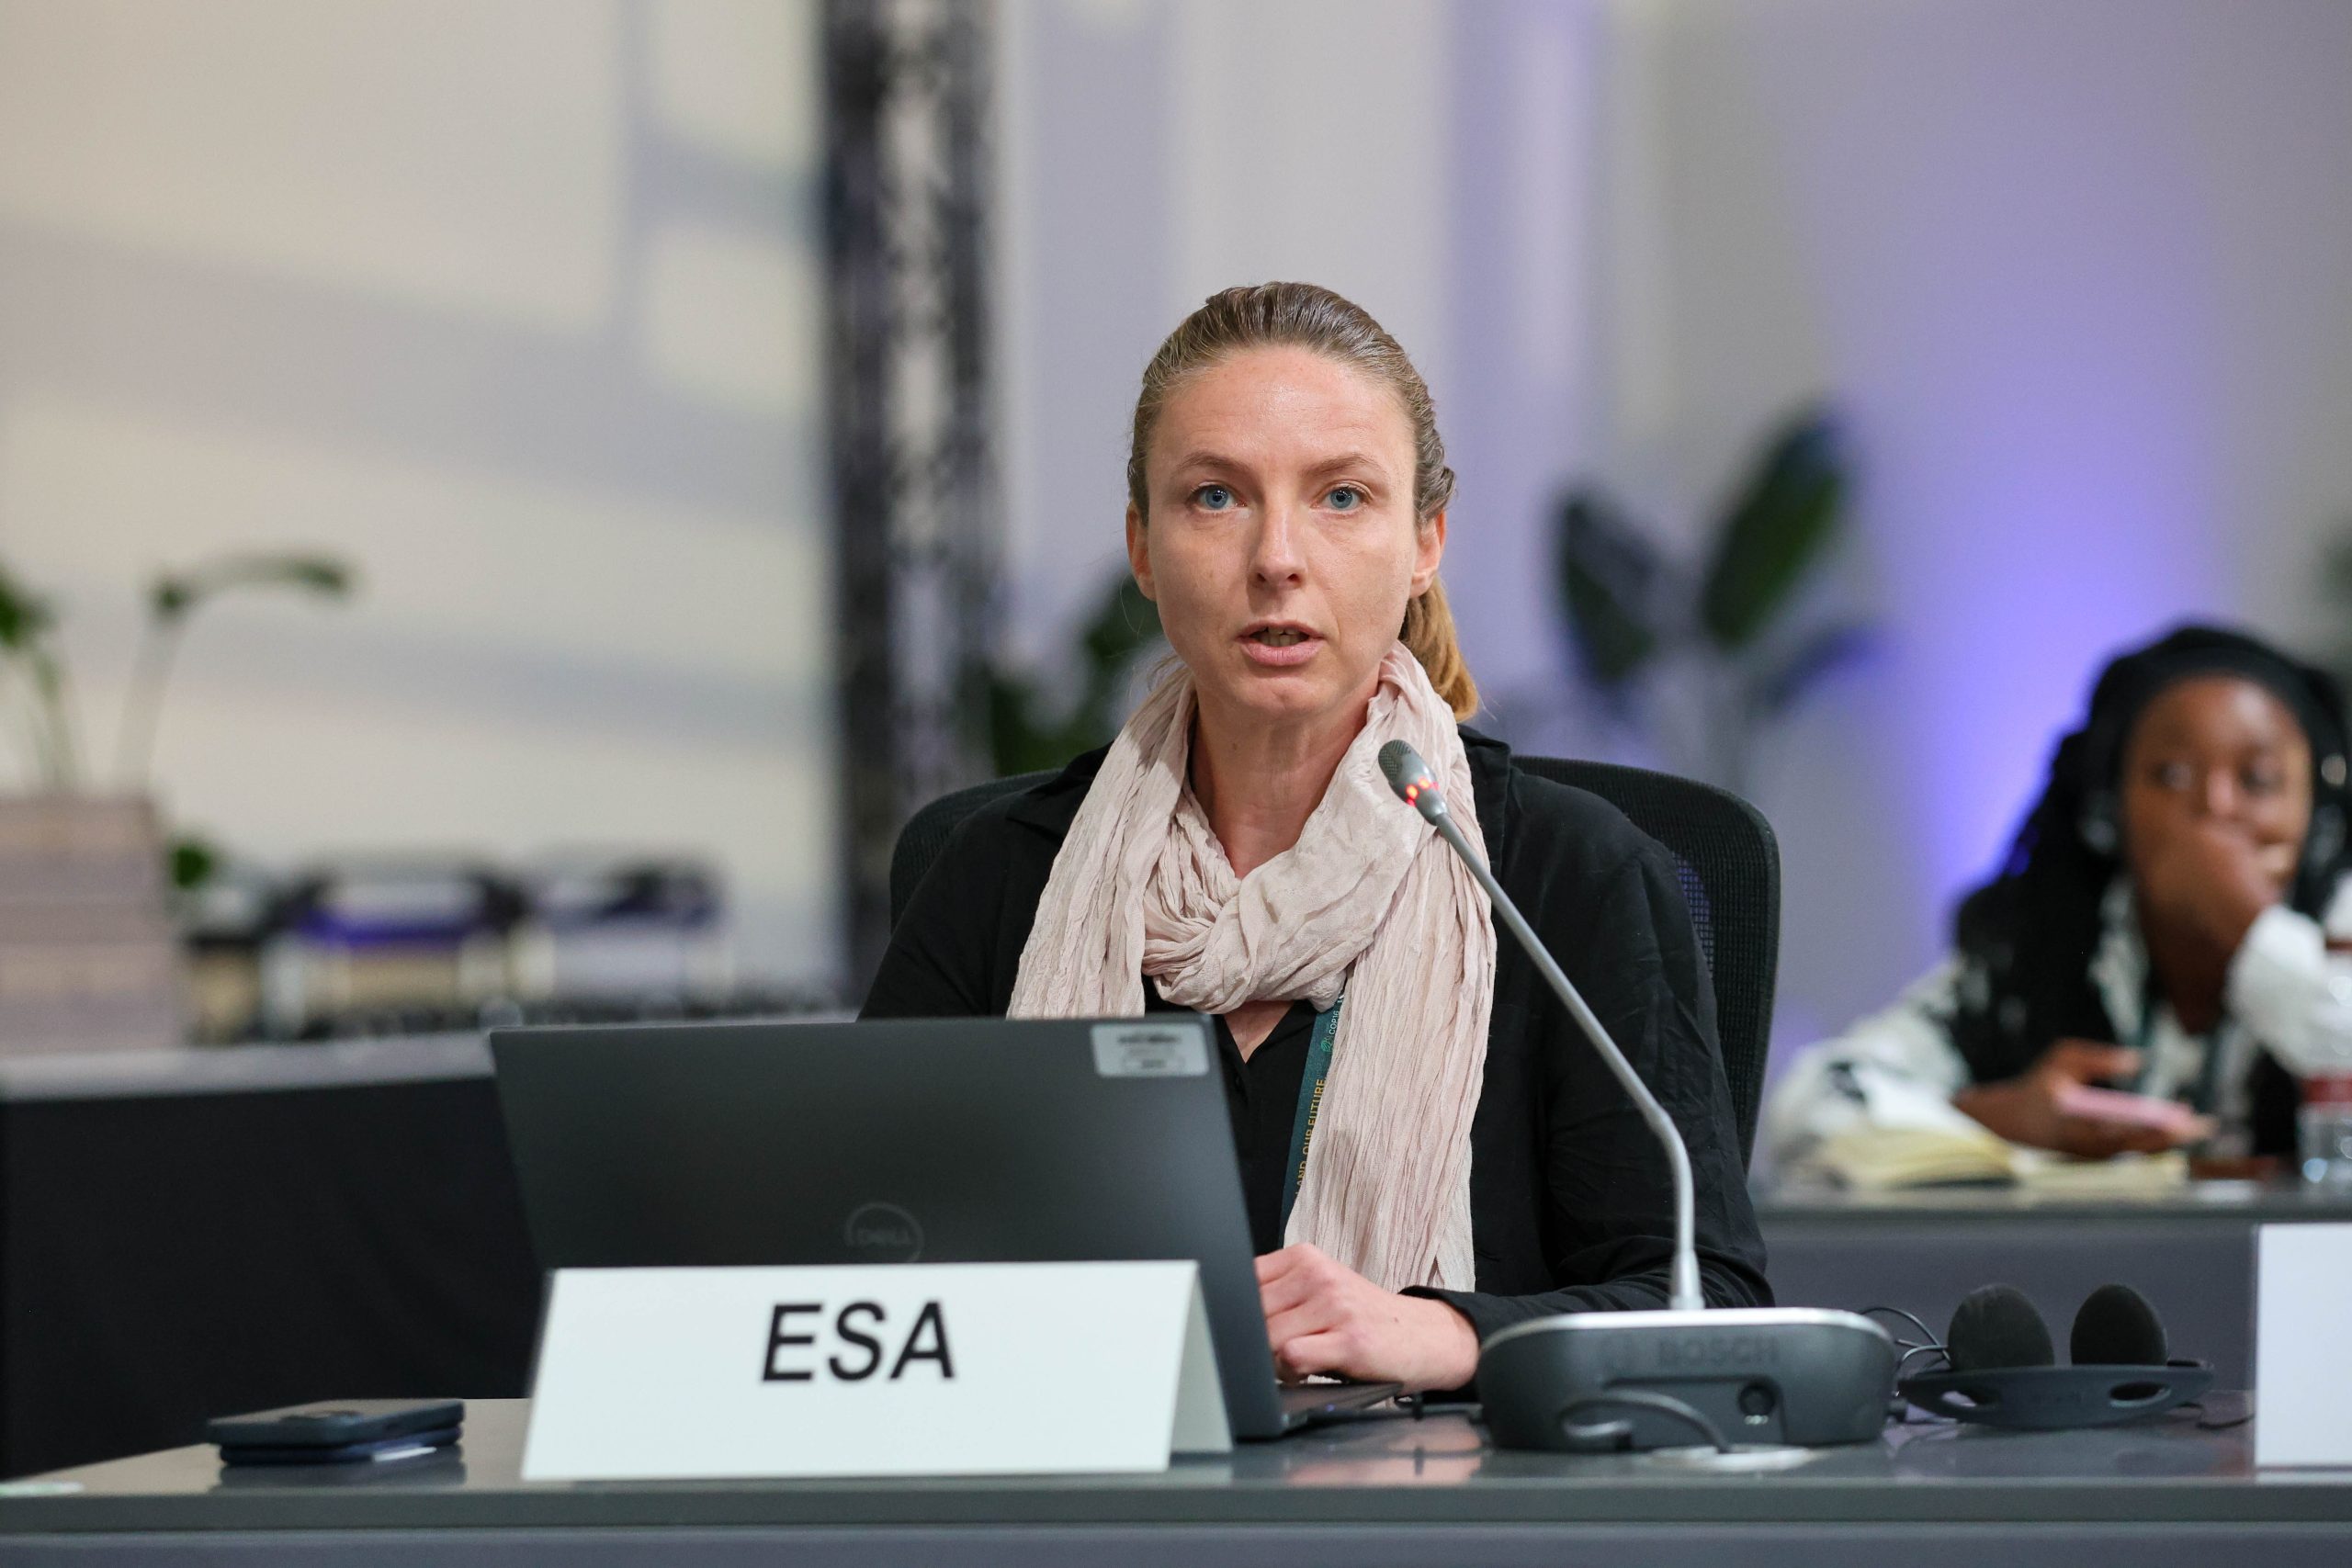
{"x":1373,"y":1491}
{"x":242,"y":1069}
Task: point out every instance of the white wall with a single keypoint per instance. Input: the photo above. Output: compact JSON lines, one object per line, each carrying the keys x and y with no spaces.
{"x":1156,"y":151}
{"x":515,"y":303}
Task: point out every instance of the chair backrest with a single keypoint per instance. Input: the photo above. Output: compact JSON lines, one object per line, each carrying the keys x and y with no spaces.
{"x":1725,"y":856}
{"x":928,"y":831}
{"x":1729,"y":865}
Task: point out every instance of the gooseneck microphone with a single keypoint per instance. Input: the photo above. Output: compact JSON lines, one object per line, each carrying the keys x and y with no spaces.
{"x":1793,"y":1375}
{"x":1416,"y":785}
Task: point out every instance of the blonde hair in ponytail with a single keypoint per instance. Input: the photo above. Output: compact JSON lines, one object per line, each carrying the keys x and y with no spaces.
{"x":1429,"y":632}
{"x":1302,"y":315}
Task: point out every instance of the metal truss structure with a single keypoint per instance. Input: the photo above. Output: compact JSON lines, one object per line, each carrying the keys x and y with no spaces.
{"x":917,"y":533}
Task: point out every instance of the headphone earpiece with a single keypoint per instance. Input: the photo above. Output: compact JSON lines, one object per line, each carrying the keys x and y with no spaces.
{"x":2324,"y":841}
{"x":2116,"y":1327}
{"x":1996,"y":1325}
{"x":2097,"y":826}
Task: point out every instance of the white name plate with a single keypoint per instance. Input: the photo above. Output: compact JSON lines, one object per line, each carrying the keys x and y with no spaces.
{"x":909,"y":1369}
{"x":2302,"y":1361}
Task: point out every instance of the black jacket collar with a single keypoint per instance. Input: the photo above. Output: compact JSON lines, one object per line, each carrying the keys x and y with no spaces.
{"x":1051,"y":807}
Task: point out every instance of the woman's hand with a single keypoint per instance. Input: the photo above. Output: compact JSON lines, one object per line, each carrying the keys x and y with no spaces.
{"x":2032,"y":1108}
{"x":1323,"y":1317}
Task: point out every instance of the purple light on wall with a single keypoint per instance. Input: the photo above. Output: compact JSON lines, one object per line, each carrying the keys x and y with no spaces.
{"x":2074,"y":276}
{"x":2012,"y":578}
{"x":2024,"y":311}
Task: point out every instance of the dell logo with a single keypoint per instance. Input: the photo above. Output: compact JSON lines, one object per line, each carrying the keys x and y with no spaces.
{"x":882,"y":1233}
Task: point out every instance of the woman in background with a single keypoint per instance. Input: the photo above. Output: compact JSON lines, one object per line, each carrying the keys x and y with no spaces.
{"x":1468,"y":1161}
{"x":2160,"y":925}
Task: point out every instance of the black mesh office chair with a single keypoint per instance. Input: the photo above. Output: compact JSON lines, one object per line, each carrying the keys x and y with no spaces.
{"x":1725,"y":855}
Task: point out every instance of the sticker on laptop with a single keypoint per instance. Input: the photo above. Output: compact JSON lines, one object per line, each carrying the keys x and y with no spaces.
{"x":1150,"y":1051}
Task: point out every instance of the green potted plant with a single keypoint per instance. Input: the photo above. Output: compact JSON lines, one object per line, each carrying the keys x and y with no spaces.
{"x":1719,"y":632}
{"x":1027,"y":735}
{"x":89,"y":958}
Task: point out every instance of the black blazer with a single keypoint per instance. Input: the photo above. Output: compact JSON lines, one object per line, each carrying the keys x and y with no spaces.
{"x":1571,"y":1201}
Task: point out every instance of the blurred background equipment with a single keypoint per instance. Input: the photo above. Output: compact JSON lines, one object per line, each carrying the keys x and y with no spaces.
{"x":226,"y":911}
{"x":378,"y":946}
{"x":611,"y":927}
{"x":403,"y":941}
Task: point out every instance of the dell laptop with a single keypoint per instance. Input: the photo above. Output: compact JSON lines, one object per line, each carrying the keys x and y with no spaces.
{"x":938,"y":1140}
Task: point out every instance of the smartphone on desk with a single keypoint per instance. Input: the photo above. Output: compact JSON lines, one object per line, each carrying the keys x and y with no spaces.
{"x":336,"y":1431}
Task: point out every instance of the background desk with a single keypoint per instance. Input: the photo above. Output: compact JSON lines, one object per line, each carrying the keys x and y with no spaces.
{"x":2191,"y":1254}
{"x":186,"y":1233}
{"x":1372,"y":1492}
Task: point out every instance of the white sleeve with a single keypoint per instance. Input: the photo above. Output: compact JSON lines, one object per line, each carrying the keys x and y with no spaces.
{"x":1895,"y":1068}
{"x":2291,"y":994}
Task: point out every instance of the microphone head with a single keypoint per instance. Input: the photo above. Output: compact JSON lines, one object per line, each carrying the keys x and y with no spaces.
{"x":1413,"y":779}
{"x":2116,"y":1327}
{"x":1401,"y":765}
{"x":1994,"y":1325}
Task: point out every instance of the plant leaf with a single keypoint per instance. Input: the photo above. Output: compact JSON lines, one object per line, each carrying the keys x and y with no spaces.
{"x":1011,"y":730}
{"x":191,"y":862}
{"x":1819,"y":656}
{"x":1784,"y":518}
{"x":178,"y":594}
{"x":321,"y":575}
{"x":61,"y":763}
{"x":1023,"y":737}
{"x":1607,"y":579}
{"x":24,"y":614}
{"x":1126,"y":624}
{"x":2337,"y":567}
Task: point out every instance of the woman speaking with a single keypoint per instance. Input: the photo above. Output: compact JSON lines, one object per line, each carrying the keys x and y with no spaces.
{"x":1469,"y":1161}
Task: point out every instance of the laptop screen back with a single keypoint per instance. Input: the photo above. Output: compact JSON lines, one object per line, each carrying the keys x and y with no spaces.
{"x":966,"y":1140}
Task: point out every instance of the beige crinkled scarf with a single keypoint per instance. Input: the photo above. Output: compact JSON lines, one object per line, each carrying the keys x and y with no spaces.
{"x":1368,"y":900}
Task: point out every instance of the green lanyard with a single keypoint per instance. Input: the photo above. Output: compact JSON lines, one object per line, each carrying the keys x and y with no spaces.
{"x":1311,"y":1100}
{"x":2208,"y":1090}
